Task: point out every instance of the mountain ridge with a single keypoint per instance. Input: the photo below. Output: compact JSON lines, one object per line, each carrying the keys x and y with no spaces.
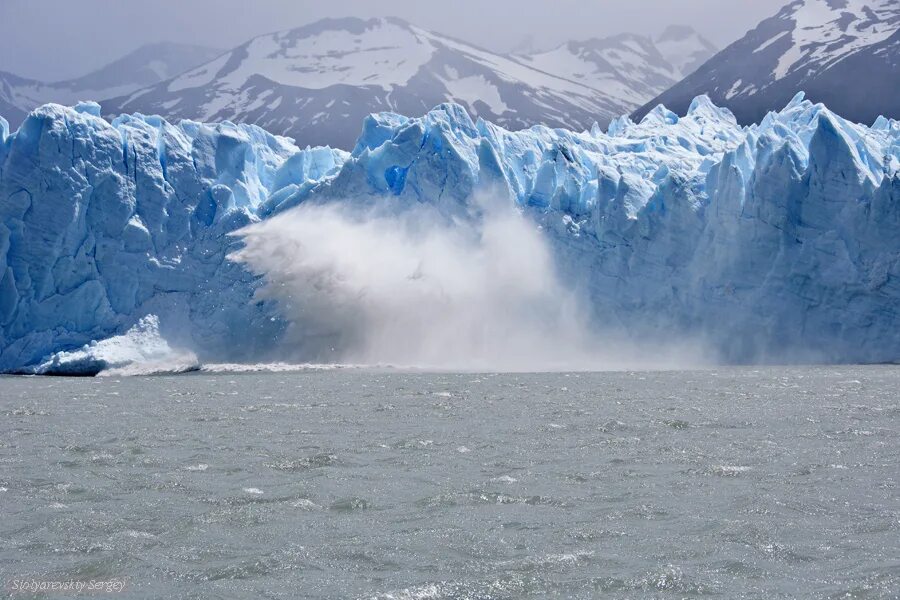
{"x":314,"y":82}
{"x":146,"y":65}
{"x":842,"y":52}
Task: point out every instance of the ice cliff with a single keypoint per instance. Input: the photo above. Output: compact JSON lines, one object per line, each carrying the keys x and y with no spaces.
{"x":776,"y":242}
{"x":103,"y":223}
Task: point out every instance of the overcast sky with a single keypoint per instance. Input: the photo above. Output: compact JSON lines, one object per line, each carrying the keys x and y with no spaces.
{"x":57,"y":39}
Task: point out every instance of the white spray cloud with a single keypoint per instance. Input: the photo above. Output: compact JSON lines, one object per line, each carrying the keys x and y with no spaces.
{"x":413,"y":287}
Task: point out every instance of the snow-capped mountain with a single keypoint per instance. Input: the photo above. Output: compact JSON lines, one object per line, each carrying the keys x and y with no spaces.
{"x":845,"y":53}
{"x":627,"y":69}
{"x":145,"y":66}
{"x":775,"y":242}
{"x":684,"y":49}
{"x":318,"y":82}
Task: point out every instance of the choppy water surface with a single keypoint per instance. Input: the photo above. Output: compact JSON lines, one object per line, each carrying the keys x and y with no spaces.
{"x":772,"y":483}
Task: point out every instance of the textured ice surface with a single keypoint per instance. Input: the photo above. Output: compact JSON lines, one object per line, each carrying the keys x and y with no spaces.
{"x":774,"y":242}
{"x":140,"y":350}
{"x":102,"y":224}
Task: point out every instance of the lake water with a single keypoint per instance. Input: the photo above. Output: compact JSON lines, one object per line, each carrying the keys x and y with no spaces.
{"x":733,"y":483}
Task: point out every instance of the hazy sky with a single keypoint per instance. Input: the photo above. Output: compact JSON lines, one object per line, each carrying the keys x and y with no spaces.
{"x":57,"y":39}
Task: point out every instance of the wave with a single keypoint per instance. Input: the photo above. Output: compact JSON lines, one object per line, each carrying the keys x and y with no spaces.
{"x":276,"y":367}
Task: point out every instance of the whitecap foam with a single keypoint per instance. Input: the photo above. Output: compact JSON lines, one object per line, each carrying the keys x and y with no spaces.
{"x":504,"y":479}
{"x":730,"y":470}
{"x":305,"y":504}
{"x":276,"y":367}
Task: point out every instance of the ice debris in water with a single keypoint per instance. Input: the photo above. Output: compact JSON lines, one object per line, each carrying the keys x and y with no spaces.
{"x":140,"y":350}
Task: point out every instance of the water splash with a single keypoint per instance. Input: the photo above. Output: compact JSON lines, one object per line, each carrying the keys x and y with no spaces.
{"x":411,"y":286}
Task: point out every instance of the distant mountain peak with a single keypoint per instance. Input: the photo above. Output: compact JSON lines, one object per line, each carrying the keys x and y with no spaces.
{"x":316,"y":82}
{"x":686,"y":49}
{"x":625,"y":67}
{"x":676,"y":32}
{"x":146,"y":65}
{"x":845,"y":53}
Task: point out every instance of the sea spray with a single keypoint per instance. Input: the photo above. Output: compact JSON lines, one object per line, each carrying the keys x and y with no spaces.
{"x":411,"y":286}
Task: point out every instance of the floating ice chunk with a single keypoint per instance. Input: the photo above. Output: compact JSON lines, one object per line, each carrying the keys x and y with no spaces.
{"x":504,"y":479}
{"x":730,"y":470}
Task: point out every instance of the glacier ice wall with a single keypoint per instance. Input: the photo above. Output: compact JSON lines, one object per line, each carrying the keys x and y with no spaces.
{"x":777,"y":242}
{"x":103,"y":223}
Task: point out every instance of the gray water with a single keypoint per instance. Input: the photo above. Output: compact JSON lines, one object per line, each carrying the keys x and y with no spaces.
{"x":740,"y":483}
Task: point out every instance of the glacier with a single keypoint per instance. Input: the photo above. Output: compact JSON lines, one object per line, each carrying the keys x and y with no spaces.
{"x":776,"y":242}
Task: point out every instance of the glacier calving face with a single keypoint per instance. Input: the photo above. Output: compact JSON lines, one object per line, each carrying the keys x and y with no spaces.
{"x":101,"y":224}
{"x":775,"y":242}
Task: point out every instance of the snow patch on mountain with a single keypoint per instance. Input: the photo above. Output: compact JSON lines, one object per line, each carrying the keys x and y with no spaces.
{"x":472,"y":90}
{"x":198,"y":77}
{"x":381,"y":53}
{"x":625,"y":68}
{"x":289,"y":82}
{"x":823,"y":26}
{"x":845,"y":53}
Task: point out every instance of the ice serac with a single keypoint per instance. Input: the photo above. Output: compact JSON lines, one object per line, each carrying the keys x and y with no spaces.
{"x":774,"y":242}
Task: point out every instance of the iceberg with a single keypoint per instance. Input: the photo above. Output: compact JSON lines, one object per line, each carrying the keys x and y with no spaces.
{"x":775,"y":242}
